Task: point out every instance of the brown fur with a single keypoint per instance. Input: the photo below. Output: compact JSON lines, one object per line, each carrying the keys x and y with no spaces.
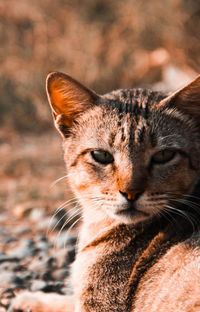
{"x":139,"y":245}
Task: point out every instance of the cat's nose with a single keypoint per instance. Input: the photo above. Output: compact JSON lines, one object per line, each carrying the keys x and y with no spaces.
{"x":131,"y":194}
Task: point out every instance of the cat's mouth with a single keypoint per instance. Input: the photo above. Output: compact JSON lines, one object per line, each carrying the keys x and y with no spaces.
{"x":132,"y":212}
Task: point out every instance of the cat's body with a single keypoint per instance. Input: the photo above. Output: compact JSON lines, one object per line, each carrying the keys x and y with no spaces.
{"x":133,"y":157}
{"x":116,"y":276}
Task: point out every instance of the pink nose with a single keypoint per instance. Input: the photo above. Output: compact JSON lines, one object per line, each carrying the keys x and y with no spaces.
{"x":130,"y":194}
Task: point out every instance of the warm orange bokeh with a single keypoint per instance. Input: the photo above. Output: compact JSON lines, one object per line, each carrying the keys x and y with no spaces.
{"x":104,"y":44}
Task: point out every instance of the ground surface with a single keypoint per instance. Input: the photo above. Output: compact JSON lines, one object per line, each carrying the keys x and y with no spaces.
{"x":35,"y":249}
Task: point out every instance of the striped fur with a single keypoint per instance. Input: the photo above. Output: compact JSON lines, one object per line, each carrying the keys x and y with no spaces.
{"x":130,"y":250}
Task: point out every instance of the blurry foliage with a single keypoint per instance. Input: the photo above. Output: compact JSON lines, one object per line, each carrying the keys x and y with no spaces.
{"x":106,"y":44}
{"x":17,"y":109}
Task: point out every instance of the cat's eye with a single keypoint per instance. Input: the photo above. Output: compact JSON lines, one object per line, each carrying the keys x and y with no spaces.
{"x":102,"y":157}
{"x":163,"y":156}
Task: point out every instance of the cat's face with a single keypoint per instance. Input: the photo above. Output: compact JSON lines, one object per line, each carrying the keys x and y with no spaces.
{"x":127,"y":158}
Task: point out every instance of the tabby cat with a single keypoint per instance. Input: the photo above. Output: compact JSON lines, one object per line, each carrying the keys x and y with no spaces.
{"x":133,"y":158}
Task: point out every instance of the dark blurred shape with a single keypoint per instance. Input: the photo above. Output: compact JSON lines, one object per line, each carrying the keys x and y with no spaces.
{"x":17,"y":112}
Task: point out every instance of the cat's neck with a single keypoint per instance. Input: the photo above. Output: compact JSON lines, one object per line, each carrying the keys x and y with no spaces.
{"x":94,"y":228}
{"x":106,"y":230}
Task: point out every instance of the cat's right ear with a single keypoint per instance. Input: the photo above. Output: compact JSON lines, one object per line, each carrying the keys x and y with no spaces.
{"x":68,"y":100}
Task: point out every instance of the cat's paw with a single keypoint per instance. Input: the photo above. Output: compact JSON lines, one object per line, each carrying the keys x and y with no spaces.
{"x":41,"y":302}
{"x":28,"y":302}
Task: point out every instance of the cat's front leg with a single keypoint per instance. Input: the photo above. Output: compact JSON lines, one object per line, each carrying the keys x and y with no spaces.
{"x":41,"y":302}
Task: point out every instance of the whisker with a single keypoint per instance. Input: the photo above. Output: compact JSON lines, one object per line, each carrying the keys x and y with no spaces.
{"x":62,"y":217}
{"x":63,"y":226}
{"x":184,"y":214}
{"x":183,"y":195}
{"x":60,"y":179}
{"x":75,"y":222}
{"x":189,"y":203}
{"x":167,"y":136}
{"x":76,"y":212}
{"x":62,"y":206}
{"x":166,"y":211}
{"x":69,"y":202}
{"x":191,"y":196}
{"x":96,"y":198}
{"x":73,"y":216}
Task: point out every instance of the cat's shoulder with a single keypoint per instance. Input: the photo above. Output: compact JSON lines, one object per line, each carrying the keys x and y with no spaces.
{"x":173,"y":279}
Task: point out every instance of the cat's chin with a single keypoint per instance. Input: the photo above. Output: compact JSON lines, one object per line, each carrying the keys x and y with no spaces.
{"x":129,"y":215}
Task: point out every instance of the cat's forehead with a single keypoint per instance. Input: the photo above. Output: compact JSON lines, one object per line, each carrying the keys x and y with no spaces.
{"x":137,"y":100}
{"x":122,"y":119}
{"x":133,"y":111}
{"x":126,"y":119}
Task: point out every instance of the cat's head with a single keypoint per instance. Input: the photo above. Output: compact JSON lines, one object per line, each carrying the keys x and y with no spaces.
{"x":130,"y":154}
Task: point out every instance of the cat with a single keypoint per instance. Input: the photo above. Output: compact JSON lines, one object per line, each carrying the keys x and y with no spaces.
{"x":133,"y":159}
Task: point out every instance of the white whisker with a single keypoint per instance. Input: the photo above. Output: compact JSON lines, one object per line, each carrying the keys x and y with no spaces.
{"x":184,"y":214}
{"x":62,"y":206}
{"x":76,"y":213}
{"x":65,"y":214}
{"x":60,"y":179}
{"x":166,"y":211}
{"x":189,"y":203}
{"x":191,"y":196}
{"x":75,"y":222}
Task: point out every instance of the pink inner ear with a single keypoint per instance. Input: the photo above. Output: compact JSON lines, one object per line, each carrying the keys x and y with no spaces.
{"x":68,"y":98}
{"x":65,"y":98}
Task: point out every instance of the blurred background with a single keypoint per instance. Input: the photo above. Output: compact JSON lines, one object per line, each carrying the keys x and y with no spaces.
{"x":106,"y":44}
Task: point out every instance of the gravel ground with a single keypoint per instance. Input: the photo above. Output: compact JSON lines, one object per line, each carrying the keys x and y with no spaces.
{"x":36,"y":250}
{"x":31,"y":259}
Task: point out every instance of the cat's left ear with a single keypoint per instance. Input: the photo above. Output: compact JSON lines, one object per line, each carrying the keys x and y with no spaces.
{"x":68,"y":99}
{"x":186,"y":100}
